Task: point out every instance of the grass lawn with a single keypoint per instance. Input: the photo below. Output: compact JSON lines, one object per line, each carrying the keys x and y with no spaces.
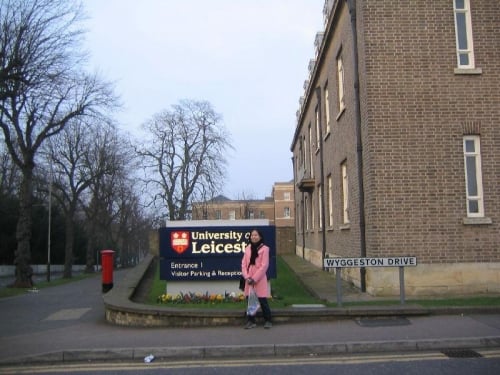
{"x":472,"y":301}
{"x":286,"y":290}
{"x":431,"y":302}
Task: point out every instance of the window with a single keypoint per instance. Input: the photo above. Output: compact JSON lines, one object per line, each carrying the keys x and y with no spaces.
{"x":300,"y":161}
{"x":299,"y":219}
{"x":251,"y":214}
{"x":340,"y":79}
{"x":262,"y":214}
{"x":286,"y":212}
{"x":306,"y":210}
{"x":345,"y":193}
{"x":330,"y":201}
{"x":463,"y":34}
{"x":286,"y":195}
{"x":304,"y":152}
{"x":327,"y":111}
{"x":218,"y":215}
{"x":232,"y":215}
{"x":320,"y":208}
{"x":318,"y":129}
{"x":312,"y":211}
{"x":473,"y":177}
{"x":311,"y":173}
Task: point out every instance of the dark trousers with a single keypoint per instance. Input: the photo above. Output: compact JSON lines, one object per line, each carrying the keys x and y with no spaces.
{"x":266,"y":311}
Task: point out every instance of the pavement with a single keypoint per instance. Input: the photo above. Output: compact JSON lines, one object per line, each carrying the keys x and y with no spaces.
{"x":66,"y":323}
{"x":323,"y":285}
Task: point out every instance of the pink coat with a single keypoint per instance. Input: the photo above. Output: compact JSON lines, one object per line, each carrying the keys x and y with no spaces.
{"x":257,"y":272}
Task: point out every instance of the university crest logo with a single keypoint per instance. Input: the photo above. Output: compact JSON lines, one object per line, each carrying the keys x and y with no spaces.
{"x":179,"y":241}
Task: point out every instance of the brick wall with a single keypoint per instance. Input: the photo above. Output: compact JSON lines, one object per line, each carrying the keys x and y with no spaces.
{"x":285,"y":240}
{"x":415,"y":109}
{"x":415,"y":113}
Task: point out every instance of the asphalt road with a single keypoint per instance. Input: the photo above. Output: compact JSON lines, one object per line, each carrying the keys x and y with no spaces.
{"x":428,"y":363}
{"x":67,"y":323}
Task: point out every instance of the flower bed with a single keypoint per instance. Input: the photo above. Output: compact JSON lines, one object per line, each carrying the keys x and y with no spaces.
{"x":200,"y":298}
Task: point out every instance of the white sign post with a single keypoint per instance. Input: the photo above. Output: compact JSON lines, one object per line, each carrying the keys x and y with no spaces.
{"x":400,"y":262}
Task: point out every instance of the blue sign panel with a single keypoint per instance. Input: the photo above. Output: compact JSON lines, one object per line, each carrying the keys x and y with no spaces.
{"x":209,"y":253}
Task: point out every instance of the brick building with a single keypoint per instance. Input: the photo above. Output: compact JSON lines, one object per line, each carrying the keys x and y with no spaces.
{"x":284,"y":206}
{"x":223,"y":208}
{"x":284,"y":216}
{"x":396,"y":149}
{"x":279,"y":209}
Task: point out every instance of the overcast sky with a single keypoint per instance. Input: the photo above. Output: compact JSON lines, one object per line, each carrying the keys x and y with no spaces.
{"x":248,"y":58}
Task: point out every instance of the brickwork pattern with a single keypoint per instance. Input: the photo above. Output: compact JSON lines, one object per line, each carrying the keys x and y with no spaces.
{"x":415,"y":110}
{"x":416,"y":113}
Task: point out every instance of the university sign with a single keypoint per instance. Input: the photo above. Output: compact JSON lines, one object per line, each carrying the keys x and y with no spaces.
{"x":196,"y":251}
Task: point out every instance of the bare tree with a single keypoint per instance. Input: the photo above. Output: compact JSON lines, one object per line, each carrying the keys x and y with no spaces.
{"x":9,"y":174}
{"x":131,"y":228}
{"x":41,"y":90}
{"x":246,"y":198}
{"x":111,"y":204}
{"x":184,"y":156}
{"x":79,"y":156}
{"x":97,"y":220}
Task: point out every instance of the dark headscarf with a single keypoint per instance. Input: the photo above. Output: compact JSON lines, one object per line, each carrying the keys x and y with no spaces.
{"x":255,"y":247}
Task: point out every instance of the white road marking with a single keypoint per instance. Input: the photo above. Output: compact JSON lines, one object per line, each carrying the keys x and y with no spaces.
{"x":68,"y":314}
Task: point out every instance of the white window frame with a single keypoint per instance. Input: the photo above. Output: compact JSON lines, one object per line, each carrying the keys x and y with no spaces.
{"x":330,"y":201}
{"x":232,"y":215}
{"x":327,"y":110}
{"x":313,"y":226}
{"x":286,"y":212}
{"x":340,"y":79}
{"x":318,"y":129}
{"x":464,"y":28}
{"x":299,"y":218}
{"x":307,"y":213}
{"x":320,"y":208}
{"x":345,"y":194}
{"x":300,"y":160}
{"x":286,"y":195}
{"x":311,"y":173}
{"x":304,"y":153}
{"x":472,"y":166}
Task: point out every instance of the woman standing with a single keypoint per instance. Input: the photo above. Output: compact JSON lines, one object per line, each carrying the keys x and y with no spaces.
{"x":254,"y":266}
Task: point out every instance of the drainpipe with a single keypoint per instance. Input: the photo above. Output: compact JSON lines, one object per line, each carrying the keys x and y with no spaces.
{"x":322,"y":179}
{"x":359,"y":144}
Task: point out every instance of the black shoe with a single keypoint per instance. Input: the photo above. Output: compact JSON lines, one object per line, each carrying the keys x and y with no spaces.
{"x":250,"y":325}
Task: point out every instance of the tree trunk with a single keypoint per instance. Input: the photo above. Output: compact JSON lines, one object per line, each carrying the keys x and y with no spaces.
{"x":68,"y":247}
{"x":89,"y":263}
{"x":22,"y":260}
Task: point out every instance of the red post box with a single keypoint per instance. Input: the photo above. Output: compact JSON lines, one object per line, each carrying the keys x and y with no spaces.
{"x":107,"y":263}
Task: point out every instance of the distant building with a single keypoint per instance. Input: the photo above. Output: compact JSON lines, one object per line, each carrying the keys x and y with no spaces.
{"x":396,"y":149}
{"x":279,"y":209}
{"x":223,"y":208}
{"x":284,"y":205}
